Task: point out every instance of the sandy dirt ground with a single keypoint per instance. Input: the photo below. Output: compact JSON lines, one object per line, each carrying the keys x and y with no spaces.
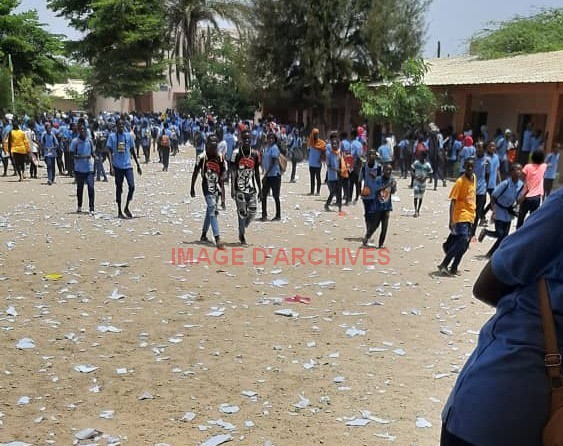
{"x":128,"y":348}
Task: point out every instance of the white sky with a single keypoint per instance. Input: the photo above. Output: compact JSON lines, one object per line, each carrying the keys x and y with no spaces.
{"x":450,"y":21}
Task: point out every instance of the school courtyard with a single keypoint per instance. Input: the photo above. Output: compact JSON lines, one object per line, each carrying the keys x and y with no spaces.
{"x":108,"y":340}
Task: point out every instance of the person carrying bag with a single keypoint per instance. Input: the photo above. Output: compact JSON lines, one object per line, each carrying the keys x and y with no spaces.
{"x":553,"y":431}
{"x":509,"y":391}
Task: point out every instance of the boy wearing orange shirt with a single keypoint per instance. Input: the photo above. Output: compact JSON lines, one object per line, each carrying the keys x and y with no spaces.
{"x":462,"y":215}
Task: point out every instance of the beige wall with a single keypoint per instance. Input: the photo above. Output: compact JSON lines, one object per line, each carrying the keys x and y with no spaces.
{"x":504,"y":109}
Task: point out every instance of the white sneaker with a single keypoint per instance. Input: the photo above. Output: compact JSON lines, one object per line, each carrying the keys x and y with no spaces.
{"x":79,"y":210}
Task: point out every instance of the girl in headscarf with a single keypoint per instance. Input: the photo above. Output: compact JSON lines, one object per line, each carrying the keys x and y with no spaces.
{"x":317,"y":148}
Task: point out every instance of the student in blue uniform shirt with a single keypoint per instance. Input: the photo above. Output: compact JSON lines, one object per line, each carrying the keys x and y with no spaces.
{"x":83,"y":152}
{"x":552,"y":161}
{"x":121,"y":148}
{"x":272,"y":176}
{"x":333,"y":156}
{"x":367,"y":179}
{"x":502,"y":395}
{"x":503,"y":200}
{"x":492,"y":174}
{"x":357,"y":149}
{"x":481,"y":167}
{"x":385,"y":186}
{"x":49,"y":146}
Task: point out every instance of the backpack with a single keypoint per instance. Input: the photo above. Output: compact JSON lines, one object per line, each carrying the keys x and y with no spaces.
{"x":343,"y":167}
{"x":164,"y":140}
{"x":283,"y":163}
{"x":154,"y":132}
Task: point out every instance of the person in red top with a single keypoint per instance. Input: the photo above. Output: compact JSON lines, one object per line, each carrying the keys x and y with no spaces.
{"x":533,"y":173}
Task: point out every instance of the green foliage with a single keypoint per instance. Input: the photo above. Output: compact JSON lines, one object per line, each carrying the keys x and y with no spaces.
{"x":122,"y":45}
{"x":6,"y":96}
{"x":220,"y":82}
{"x":401,"y":100}
{"x":184,"y":19}
{"x":36,"y":53}
{"x":31,"y":98}
{"x":521,"y":35}
{"x":304,"y":48}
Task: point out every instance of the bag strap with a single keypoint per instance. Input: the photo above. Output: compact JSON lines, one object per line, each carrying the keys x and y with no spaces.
{"x":552,"y":355}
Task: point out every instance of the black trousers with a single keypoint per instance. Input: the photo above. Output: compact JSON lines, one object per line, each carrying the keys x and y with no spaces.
{"x":19,"y":162}
{"x":530,"y":204}
{"x":335,"y":188}
{"x":373,"y":220}
{"x":480,"y":201}
{"x":274,"y":184}
{"x":315,"y":174}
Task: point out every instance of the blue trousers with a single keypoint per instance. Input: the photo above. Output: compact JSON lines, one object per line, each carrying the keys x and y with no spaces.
{"x":99,"y":166}
{"x":211,"y":216}
{"x":120,"y":174}
{"x":50,"y":162}
{"x":88,"y":178}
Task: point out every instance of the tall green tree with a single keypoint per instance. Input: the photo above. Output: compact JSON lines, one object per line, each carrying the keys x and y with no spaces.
{"x":184,"y":28}
{"x":304,"y":48}
{"x":220,"y":83}
{"x":36,"y":53}
{"x":521,"y":35}
{"x":123,"y":43}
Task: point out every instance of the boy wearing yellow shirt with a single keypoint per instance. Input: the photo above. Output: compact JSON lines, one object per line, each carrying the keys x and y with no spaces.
{"x":462,"y":216}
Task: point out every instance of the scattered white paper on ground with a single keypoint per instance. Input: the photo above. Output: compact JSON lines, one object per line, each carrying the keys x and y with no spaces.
{"x":286,"y":312}
{"x":25,"y":344}
{"x":302,"y":403}
{"x":353,"y":332}
{"x":188,"y":416}
{"x":116,"y":295}
{"x":226,"y":408}
{"x":109,"y":329}
{"x":358,"y":422}
{"x":86,"y":368}
{"x":422,"y":423}
{"x":87,"y":433}
{"x":217,"y":440}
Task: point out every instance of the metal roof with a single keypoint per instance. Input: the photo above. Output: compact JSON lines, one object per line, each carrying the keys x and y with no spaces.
{"x":469,"y":70}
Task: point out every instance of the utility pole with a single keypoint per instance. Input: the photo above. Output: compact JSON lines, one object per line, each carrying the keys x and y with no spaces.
{"x":11,"y":68}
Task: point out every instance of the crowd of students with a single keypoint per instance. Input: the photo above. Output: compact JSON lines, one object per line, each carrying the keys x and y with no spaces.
{"x":250,"y":158}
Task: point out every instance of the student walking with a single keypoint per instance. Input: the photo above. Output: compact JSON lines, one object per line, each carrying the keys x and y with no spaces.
{"x":246,"y":182}
{"x":381,"y":205}
{"x":18,"y":148}
{"x":503,"y":200}
{"x":502,"y":396}
{"x":533,"y":186}
{"x":334,"y":171}
{"x":212,"y":169}
{"x":422,"y":172}
{"x":462,"y":216}
{"x":83,"y":152}
{"x":552,"y":162}
{"x":272,"y":177}
{"x":481,"y":169}
{"x":317,"y":149}
{"x":121,"y":149}
{"x":50,"y":147}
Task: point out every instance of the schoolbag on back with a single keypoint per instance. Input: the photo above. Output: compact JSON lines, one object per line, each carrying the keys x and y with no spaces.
{"x":165,"y":140}
{"x":283,"y":163}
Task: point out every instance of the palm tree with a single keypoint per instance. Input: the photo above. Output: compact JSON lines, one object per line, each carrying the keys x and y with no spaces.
{"x":184,"y":20}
